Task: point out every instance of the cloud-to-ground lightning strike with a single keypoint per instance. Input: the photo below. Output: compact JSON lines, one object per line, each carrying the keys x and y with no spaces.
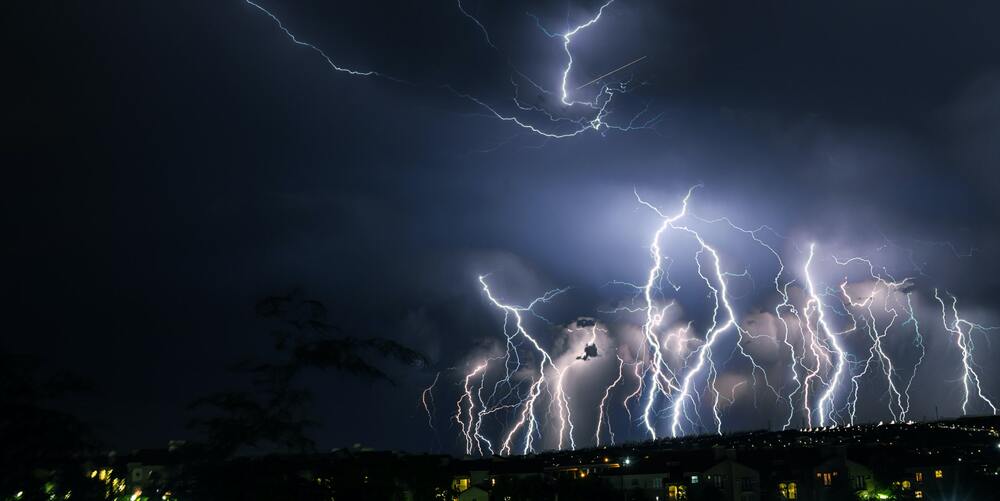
{"x":918,"y":341}
{"x":547,"y":124}
{"x":602,"y":417}
{"x":528,"y":416}
{"x":718,"y":287}
{"x":963,"y":339}
{"x":823,"y":331}
{"x":830,"y":338}
{"x":885,"y":289}
{"x":654,"y":316}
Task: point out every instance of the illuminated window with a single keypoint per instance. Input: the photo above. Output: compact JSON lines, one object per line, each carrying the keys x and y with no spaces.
{"x":938,"y":474}
{"x":789,"y":490}
{"x":461,"y":484}
{"x":694,"y":479}
{"x":827,"y":478}
{"x":919,"y":476}
{"x":918,"y":494}
{"x":677,"y":492}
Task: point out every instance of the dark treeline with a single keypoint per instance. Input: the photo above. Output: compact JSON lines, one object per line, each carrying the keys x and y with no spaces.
{"x":255,"y":444}
{"x":252,"y":441}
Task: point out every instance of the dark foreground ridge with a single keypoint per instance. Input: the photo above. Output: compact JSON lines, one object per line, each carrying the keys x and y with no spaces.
{"x":945,"y":460}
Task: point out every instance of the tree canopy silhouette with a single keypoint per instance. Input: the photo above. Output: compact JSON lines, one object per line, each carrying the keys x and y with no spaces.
{"x":40,"y":442}
{"x":274,"y":412}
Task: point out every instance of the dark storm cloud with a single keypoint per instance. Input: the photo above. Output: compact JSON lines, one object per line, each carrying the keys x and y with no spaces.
{"x":173,"y":162}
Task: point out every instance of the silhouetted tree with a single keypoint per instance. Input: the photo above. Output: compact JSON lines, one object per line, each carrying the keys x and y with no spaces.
{"x":312,"y":341}
{"x":40,"y":444}
{"x":272,"y":415}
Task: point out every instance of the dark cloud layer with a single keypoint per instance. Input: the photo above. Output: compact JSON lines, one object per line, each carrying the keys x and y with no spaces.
{"x":169,"y":163}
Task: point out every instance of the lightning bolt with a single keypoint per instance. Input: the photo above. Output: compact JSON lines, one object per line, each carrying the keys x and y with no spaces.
{"x":567,"y":39}
{"x":427,"y":399}
{"x":782,"y":308}
{"x":486,"y":33}
{"x":822,"y":328}
{"x":703,"y":355}
{"x":883,"y":288}
{"x":963,"y":339}
{"x":562,"y":400}
{"x":677,"y":371}
{"x":467,"y":424}
{"x":663,"y":378}
{"x":717,"y":284}
{"x":291,"y":36}
{"x":604,"y":402}
{"x":918,"y":341}
{"x":556,"y":128}
{"x":527,"y":417}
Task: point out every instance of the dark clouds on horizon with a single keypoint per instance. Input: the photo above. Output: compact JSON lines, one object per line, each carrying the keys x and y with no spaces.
{"x":170,"y":163}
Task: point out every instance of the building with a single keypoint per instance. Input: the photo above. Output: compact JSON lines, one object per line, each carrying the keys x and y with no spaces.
{"x":475,"y":493}
{"x":837,"y":477}
{"x":736,"y":481}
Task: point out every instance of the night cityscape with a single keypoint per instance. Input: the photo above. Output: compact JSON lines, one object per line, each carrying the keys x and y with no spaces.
{"x":481,"y":250}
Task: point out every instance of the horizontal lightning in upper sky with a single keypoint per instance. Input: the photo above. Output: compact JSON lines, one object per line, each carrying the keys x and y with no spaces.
{"x":295,"y":40}
{"x":555,"y":123}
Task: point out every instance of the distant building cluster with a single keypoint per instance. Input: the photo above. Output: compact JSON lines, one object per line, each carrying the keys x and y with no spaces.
{"x":948,"y":460}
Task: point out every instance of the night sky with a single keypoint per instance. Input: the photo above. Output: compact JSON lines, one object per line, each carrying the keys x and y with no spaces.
{"x":169,"y":163}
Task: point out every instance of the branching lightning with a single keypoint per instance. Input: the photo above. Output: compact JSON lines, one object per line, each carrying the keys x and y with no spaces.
{"x":296,"y":41}
{"x":830,"y":341}
{"x":965,"y":344}
{"x":548,"y":124}
{"x":602,"y":415}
